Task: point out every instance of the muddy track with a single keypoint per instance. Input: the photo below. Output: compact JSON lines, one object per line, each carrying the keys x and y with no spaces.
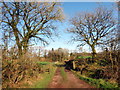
{"x":71,"y":82}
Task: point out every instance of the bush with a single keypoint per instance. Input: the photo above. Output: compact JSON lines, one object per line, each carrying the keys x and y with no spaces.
{"x":14,"y":71}
{"x":98,"y":73}
{"x":103,"y":62}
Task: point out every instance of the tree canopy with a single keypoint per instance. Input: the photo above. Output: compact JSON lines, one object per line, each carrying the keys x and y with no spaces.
{"x":28,"y":21}
{"x":90,"y":28}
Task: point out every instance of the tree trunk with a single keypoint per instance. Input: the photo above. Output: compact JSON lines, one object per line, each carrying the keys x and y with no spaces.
{"x":19,"y":51}
{"x":93,"y":52}
{"x":111,"y":60}
{"x":25,"y":47}
{"x":17,"y":41}
{"x":25,"y":44}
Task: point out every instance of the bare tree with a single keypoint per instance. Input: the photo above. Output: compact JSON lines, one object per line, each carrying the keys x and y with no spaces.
{"x":91,"y":28}
{"x":30,"y":21}
{"x":112,"y":46}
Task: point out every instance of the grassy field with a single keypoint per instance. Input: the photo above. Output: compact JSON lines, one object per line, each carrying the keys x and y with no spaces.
{"x":44,"y":63}
{"x":84,"y":57}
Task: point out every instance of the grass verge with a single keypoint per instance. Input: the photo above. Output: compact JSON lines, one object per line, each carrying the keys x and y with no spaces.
{"x":46,"y":78}
{"x":98,"y":83}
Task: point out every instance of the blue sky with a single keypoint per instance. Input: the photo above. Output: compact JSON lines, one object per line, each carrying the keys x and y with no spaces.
{"x":70,"y":9}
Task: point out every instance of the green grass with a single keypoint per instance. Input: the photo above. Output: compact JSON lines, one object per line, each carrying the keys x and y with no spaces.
{"x":84,"y":57}
{"x":46,"y":78}
{"x":63,"y":73}
{"x":44,"y":63}
{"x":99,"y":83}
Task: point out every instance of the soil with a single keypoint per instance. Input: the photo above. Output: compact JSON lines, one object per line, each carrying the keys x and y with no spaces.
{"x":71,"y":81}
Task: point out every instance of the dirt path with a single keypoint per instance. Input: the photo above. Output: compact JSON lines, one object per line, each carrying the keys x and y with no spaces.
{"x":71,"y":82}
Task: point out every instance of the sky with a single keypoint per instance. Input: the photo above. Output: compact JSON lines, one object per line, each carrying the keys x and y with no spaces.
{"x":71,"y":9}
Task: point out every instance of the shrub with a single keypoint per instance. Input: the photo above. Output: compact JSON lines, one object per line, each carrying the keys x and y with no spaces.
{"x":98,"y":73}
{"x":15,"y":70}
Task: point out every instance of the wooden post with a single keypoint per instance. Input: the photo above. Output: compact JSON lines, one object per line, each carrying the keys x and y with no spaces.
{"x":73,"y":64}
